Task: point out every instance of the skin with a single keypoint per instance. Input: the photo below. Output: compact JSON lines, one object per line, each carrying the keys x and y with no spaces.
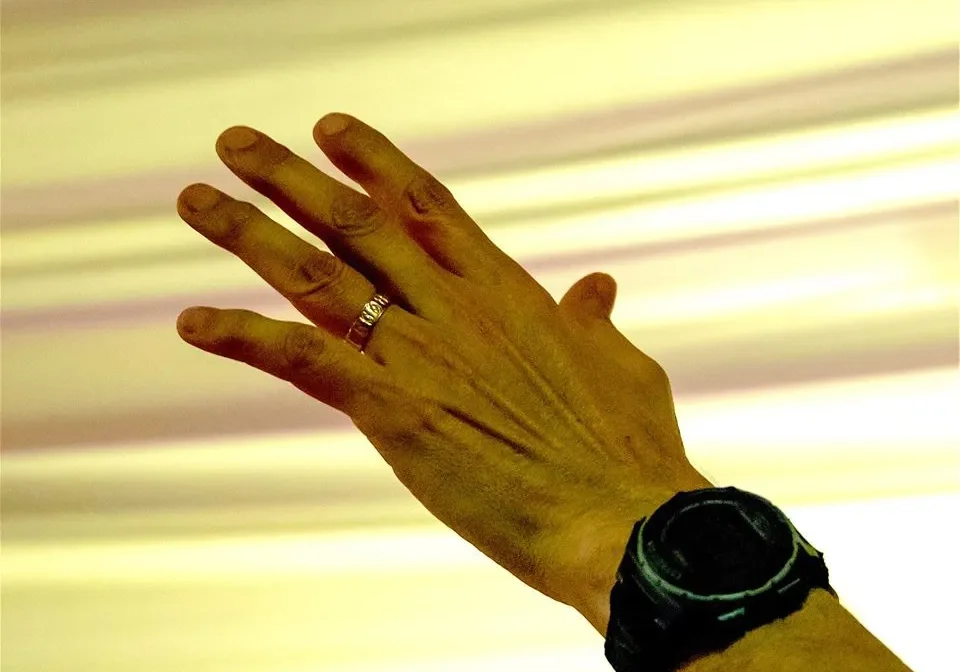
{"x":535,"y":430}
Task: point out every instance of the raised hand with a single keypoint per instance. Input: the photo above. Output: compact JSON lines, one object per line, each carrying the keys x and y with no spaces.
{"x":533,"y":429}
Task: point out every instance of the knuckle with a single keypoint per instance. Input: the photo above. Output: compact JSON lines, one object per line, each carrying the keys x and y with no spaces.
{"x":354,"y":216}
{"x":427,"y":196}
{"x":314,"y":274}
{"x":654,"y":376}
{"x":234,"y":218}
{"x":273,"y":156}
{"x":432,"y":417}
{"x":220,"y":339}
{"x":228,"y":334}
{"x":658,"y":373}
{"x":419,"y":417}
{"x":300,"y":348}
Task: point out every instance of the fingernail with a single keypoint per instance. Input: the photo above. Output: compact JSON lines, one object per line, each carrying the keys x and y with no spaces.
{"x":200,"y":198}
{"x":239,"y":138}
{"x":332,"y":124}
{"x":191,"y":320}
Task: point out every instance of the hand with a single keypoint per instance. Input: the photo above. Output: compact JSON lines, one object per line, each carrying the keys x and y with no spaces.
{"x":534,"y":430}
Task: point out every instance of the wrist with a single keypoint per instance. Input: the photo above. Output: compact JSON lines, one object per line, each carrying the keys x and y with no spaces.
{"x":595,"y":604}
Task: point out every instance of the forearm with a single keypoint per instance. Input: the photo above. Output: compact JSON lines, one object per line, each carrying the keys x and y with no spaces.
{"x":822,"y":635}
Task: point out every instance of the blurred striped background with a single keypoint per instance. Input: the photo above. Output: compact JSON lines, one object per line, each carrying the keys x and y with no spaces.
{"x":772,"y":184}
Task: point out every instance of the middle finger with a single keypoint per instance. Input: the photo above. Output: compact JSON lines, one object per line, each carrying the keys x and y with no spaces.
{"x":349,"y":222}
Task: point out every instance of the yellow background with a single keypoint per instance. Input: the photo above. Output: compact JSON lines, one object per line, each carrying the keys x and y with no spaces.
{"x":772,"y":184}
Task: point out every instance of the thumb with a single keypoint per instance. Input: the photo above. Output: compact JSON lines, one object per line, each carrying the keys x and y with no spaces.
{"x":590,"y":298}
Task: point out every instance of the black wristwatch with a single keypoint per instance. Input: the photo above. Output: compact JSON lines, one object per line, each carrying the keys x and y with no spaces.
{"x":701,"y":571}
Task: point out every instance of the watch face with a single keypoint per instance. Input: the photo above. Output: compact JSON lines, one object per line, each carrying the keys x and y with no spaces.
{"x":719,"y":544}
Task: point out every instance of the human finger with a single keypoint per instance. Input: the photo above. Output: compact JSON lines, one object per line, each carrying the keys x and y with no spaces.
{"x":316,"y":362}
{"x":350,"y":223}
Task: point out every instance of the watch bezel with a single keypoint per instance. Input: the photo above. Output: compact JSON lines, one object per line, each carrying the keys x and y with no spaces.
{"x":657,"y":569}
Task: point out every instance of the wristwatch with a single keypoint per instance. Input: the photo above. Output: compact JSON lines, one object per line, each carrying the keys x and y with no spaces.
{"x":701,"y":571}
